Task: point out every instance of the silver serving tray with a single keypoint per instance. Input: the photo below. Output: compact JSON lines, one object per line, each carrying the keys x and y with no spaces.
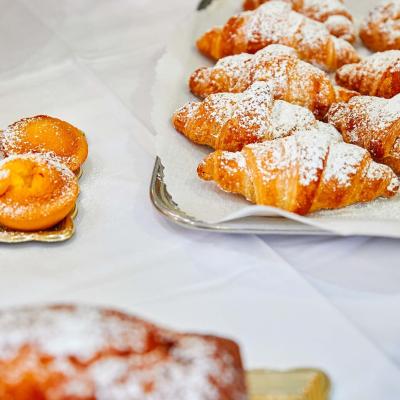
{"x":165,"y":204}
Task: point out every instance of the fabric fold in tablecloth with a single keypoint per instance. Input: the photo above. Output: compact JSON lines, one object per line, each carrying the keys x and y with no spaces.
{"x":124,"y":254}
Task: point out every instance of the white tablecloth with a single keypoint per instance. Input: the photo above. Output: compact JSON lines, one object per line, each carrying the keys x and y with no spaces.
{"x":332,"y":303}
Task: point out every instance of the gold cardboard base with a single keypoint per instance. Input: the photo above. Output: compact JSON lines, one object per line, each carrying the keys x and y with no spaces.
{"x":297,"y":384}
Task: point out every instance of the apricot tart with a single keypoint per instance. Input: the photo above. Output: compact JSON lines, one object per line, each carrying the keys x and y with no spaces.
{"x":44,"y":134}
{"x":86,"y":353}
{"x":36,"y":192}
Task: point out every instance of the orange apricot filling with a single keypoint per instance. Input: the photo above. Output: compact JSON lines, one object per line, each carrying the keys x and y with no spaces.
{"x":44,"y":134}
{"x":35,"y":192}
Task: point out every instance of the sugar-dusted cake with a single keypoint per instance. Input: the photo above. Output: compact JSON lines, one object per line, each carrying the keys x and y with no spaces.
{"x":86,"y":353}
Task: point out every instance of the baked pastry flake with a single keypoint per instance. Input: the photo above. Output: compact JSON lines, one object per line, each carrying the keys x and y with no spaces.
{"x":275,"y":23}
{"x":36,"y":192}
{"x":86,"y":353}
{"x":302,"y":173}
{"x":46,"y":135}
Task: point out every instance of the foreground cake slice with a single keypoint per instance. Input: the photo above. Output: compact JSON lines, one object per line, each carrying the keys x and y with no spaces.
{"x":84,"y":353}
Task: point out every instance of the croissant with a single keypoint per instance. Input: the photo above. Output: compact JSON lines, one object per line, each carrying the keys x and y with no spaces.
{"x":302,"y":173}
{"x":372,"y":123}
{"x":333,"y":13}
{"x":293,"y":80}
{"x":380,"y":29}
{"x":377,"y":75}
{"x":228,"y":121}
{"x":275,"y":23}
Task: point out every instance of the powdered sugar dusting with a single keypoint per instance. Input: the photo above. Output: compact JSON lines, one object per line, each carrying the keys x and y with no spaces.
{"x":308,"y":154}
{"x":287,"y":118}
{"x":266,"y":22}
{"x":383,"y":61}
{"x":233,"y":162}
{"x":124,"y":357}
{"x":341,"y":27}
{"x":275,"y":22}
{"x":343,"y":162}
{"x":306,"y":151}
{"x":319,"y":10}
{"x":394,"y":185}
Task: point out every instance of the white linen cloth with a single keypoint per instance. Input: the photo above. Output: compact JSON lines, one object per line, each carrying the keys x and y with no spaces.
{"x":330,"y":303}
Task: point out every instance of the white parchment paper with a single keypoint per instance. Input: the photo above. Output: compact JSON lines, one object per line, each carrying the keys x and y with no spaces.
{"x":204,"y":200}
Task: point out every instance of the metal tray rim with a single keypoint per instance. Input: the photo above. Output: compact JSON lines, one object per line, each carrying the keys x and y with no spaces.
{"x":164,"y":203}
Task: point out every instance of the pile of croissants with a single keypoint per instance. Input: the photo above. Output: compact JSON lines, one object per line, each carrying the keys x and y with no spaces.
{"x":284,"y":134}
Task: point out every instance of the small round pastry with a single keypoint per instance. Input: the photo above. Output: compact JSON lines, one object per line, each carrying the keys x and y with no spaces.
{"x":380,"y":30}
{"x":44,"y":134}
{"x":36,"y":192}
{"x":87,"y":353}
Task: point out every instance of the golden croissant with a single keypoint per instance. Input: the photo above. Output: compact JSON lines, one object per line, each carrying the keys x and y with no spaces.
{"x":293,"y":80}
{"x":228,"y":121}
{"x":275,"y":23}
{"x":333,"y":13}
{"x":302,"y":173}
{"x":372,"y":123}
{"x":380,"y":29}
{"x":377,"y":75}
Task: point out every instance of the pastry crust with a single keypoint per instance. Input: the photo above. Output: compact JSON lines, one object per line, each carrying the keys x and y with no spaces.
{"x":227,"y":121}
{"x":302,"y":173}
{"x":380,"y":30}
{"x":86,"y":353}
{"x":372,"y":123}
{"x":292,"y":79}
{"x":343,"y":94}
{"x":377,"y":75}
{"x":276,"y":23}
{"x":333,"y":13}
{"x":35,"y":192}
{"x":46,"y":135}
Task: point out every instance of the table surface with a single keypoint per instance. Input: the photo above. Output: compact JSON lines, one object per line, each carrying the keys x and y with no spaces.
{"x":290,"y":301}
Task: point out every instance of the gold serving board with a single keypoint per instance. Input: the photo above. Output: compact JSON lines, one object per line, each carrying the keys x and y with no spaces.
{"x":64,"y":230}
{"x":296,"y":384}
